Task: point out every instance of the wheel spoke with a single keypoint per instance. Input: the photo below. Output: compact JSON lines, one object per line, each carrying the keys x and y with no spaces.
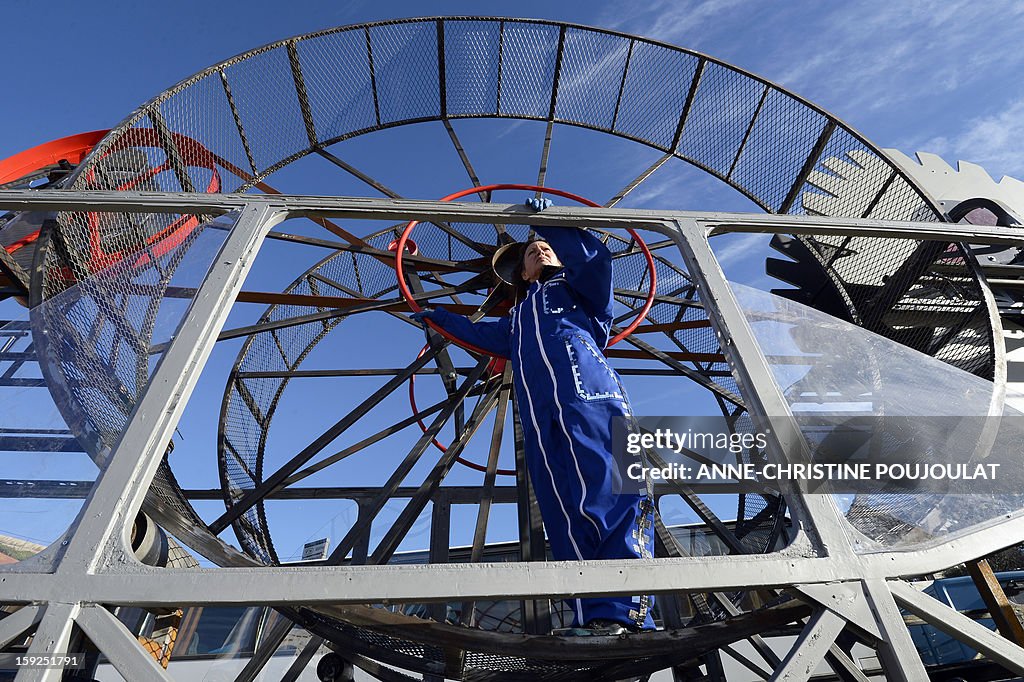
{"x":341,"y":307}
{"x":642,"y":295}
{"x":401,"y":527}
{"x":388,"y":490}
{"x":388,"y":192}
{"x":669,"y":327}
{"x":499,"y":228}
{"x":365,"y":443}
{"x":542,"y":170}
{"x":352,"y":170}
{"x":668,"y":359}
{"x":276,"y":480}
{"x":487,"y":494}
{"x":466,"y":163}
{"x":421,"y":262}
{"x":637,"y":181}
{"x":322,"y":373}
{"x":444,"y":360}
{"x":702,"y":510}
{"x":647,"y":351}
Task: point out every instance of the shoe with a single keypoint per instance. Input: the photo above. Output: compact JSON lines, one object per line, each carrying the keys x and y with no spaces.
{"x":609,"y":628}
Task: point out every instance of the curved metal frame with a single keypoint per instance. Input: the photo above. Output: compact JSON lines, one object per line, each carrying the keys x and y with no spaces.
{"x":797,"y":174}
{"x":95,"y":570}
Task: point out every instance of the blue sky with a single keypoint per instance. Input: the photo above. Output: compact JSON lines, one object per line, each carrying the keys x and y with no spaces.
{"x":930,"y":76}
{"x":938,"y":76}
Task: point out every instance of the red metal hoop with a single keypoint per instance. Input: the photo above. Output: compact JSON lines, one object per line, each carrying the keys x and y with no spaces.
{"x":436,"y":443}
{"x":75,"y":148}
{"x":174,"y":234}
{"x":408,"y":296}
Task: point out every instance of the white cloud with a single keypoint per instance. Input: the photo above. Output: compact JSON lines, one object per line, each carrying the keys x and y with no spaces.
{"x":672,"y":20}
{"x":865,"y":56}
{"x":879,"y":54}
{"x":741,"y":248}
{"x":995,"y":142}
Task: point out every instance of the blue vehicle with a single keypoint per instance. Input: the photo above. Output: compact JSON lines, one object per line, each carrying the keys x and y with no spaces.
{"x":938,"y":648}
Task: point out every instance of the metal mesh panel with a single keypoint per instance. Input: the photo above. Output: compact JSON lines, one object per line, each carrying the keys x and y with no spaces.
{"x":471,"y":58}
{"x":476,"y":665}
{"x":405,"y":68}
{"x":783,"y":136}
{"x":425,"y":653}
{"x":268,"y":106}
{"x":900,"y":201}
{"x":337,"y":75}
{"x":527,"y":69}
{"x":921,"y":294}
{"x":96,"y":337}
{"x":251,"y":402}
{"x":718,"y":119}
{"x":630,"y":268}
{"x":591,"y":75}
{"x":654,"y":93}
{"x":845,"y":180}
{"x":201,"y":114}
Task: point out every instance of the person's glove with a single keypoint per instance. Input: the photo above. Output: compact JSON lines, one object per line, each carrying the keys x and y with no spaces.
{"x":538,"y":203}
{"x":422,"y":316}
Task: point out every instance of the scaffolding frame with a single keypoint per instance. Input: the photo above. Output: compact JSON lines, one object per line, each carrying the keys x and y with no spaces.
{"x":92,"y":565}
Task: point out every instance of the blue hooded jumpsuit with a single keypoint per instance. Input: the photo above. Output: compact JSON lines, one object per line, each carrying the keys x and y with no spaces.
{"x":568,"y":396}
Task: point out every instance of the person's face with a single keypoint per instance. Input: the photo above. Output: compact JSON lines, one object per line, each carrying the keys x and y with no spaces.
{"x":538,"y":254}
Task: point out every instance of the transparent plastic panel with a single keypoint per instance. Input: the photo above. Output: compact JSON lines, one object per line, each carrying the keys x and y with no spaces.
{"x":72,"y":370}
{"x":951,"y":441}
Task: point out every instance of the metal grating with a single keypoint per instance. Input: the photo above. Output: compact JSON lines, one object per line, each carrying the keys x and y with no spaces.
{"x":782,"y":138}
{"x":262,"y":84}
{"x":654,"y":93}
{"x":722,"y":110}
{"x":472,"y":56}
{"x":405,"y":70}
{"x":527,"y":69}
{"x":203,"y":113}
{"x":337,"y":76}
{"x":593,"y":65}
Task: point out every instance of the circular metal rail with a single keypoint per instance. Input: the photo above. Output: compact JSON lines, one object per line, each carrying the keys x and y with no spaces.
{"x":258,"y":112}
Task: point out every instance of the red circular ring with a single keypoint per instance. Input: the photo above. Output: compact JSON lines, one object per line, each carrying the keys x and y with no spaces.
{"x":437,"y":444}
{"x":408,"y":296}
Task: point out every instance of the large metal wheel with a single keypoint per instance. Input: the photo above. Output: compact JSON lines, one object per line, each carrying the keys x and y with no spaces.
{"x":230,"y":127}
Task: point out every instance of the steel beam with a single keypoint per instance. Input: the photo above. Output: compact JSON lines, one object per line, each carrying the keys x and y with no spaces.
{"x":957,"y":625}
{"x":810,"y":647}
{"x":269,"y":643}
{"x":900,"y":658}
{"x":477,"y":212}
{"x":119,"y":645}
{"x":52,"y":637}
{"x":17,"y":624}
{"x":131,"y":584}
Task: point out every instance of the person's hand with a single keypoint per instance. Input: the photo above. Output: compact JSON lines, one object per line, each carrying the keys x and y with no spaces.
{"x":422,"y":316}
{"x":538,"y":203}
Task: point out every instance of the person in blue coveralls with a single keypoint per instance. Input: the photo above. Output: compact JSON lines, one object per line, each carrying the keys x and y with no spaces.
{"x":568,"y":396}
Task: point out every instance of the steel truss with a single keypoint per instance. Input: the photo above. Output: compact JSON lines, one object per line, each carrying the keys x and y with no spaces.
{"x":73,"y":581}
